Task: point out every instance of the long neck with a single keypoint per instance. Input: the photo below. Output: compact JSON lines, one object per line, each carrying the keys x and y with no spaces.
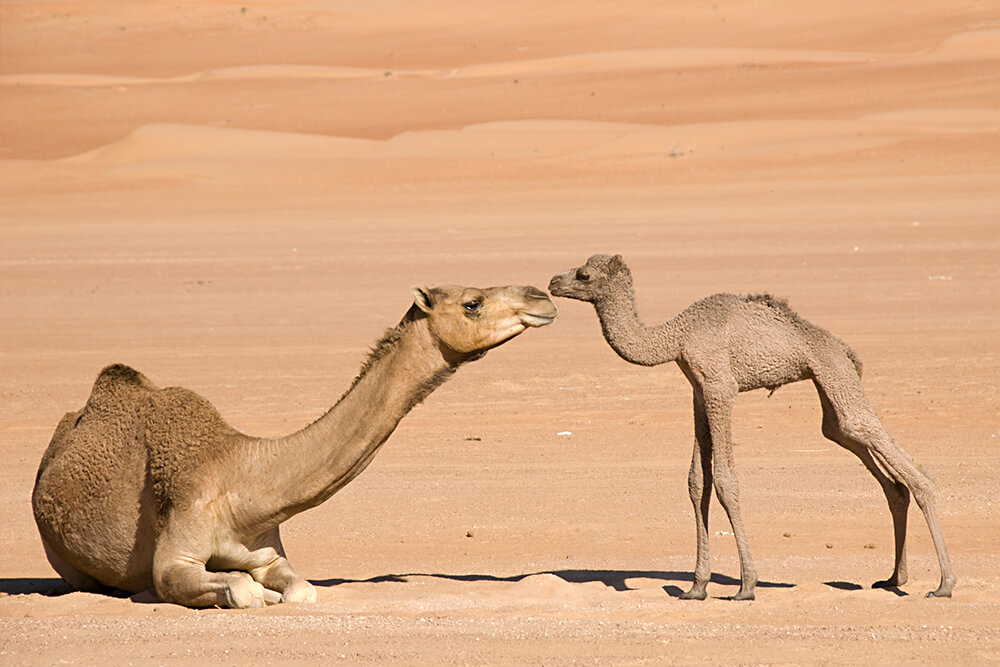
{"x":627,"y":335}
{"x":309,"y":466}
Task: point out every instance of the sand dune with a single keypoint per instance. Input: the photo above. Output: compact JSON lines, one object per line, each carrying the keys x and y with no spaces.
{"x":187,"y":142}
{"x":538,"y":140}
{"x":980,"y":45}
{"x":975,"y":45}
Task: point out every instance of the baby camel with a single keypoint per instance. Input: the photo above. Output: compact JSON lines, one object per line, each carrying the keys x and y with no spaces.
{"x":150,"y":488}
{"x":725,"y":344}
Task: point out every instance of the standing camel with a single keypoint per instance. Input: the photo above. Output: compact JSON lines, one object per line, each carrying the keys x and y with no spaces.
{"x":725,"y":344}
{"x":150,"y":488}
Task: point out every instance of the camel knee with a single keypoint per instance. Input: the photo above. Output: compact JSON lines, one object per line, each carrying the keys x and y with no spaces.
{"x":173,"y":583}
{"x":858,"y":428}
{"x":696,"y":486}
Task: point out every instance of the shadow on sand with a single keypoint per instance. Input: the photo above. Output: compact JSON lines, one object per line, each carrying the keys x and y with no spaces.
{"x":50,"y":587}
{"x":850,"y":586}
{"x":616,"y":579}
{"x":54,"y":587}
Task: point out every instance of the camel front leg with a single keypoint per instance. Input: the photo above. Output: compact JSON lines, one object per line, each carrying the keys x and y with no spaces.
{"x":276,"y":573}
{"x":718,"y":408}
{"x":700,"y":490}
{"x":185,"y":581}
{"x":190,"y":568}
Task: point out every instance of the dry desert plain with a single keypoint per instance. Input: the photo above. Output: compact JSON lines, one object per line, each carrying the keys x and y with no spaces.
{"x":237,"y":197}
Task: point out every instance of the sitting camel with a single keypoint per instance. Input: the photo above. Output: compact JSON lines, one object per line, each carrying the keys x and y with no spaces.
{"x":150,"y":488}
{"x":725,"y":344}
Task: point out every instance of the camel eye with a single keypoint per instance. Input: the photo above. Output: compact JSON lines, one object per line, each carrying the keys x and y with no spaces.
{"x":583,"y":276}
{"x":472,"y":307}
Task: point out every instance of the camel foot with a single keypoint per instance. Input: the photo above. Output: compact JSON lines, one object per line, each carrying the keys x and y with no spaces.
{"x":242,"y":592}
{"x":300,"y":591}
{"x":943,"y":591}
{"x":891,"y":582}
{"x":696,"y":593}
{"x":744,"y":595}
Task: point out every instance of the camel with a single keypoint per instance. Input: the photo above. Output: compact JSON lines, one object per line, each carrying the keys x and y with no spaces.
{"x":726,"y":344}
{"x":148,"y":488}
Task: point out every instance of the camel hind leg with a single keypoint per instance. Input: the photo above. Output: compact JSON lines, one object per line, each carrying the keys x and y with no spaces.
{"x":897,"y":494}
{"x":850,"y":421}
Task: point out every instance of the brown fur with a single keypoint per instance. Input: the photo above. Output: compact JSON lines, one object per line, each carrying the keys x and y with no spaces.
{"x":726,"y":344}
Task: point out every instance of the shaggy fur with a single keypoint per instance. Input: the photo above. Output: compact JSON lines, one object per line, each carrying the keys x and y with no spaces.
{"x":726,"y":344}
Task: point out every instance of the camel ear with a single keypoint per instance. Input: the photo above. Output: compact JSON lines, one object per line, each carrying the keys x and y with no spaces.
{"x":422,"y":298}
{"x":616,"y":263}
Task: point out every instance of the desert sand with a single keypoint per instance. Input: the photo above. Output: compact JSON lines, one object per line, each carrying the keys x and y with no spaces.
{"x":236,"y":198}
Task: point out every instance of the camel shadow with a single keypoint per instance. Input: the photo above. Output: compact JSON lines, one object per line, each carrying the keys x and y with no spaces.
{"x":851,"y":586}
{"x":615,"y":579}
{"x":49,"y":587}
{"x":54,"y":587}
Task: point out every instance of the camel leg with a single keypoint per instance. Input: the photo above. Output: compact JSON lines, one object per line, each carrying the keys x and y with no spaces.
{"x":718,"y":408}
{"x":190,"y":568}
{"x":857,"y":420}
{"x":897,"y":495}
{"x":276,"y":573}
{"x":700,"y":489}
{"x":185,"y":581}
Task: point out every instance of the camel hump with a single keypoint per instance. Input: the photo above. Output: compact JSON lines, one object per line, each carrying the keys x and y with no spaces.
{"x":122,"y":374}
{"x":824,"y":342}
{"x":777,"y":304}
{"x":117,"y":386}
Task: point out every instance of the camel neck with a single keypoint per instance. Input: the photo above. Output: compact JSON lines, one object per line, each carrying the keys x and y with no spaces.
{"x":311,"y":465}
{"x":628,"y":336}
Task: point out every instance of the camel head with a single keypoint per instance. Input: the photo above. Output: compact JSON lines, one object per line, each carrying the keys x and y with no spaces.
{"x":593,"y":280}
{"x":469,"y":321}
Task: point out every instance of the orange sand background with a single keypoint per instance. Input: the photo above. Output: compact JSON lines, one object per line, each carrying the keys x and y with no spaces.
{"x":237,"y":197}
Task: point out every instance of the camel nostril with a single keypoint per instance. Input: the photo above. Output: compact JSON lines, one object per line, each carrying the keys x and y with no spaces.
{"x":535,"y":293}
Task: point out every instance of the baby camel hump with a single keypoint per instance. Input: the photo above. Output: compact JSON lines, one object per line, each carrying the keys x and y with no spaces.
{"x":765,"y":342}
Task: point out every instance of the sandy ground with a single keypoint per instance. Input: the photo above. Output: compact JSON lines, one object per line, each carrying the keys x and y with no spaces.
{"x":237,"y":197}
